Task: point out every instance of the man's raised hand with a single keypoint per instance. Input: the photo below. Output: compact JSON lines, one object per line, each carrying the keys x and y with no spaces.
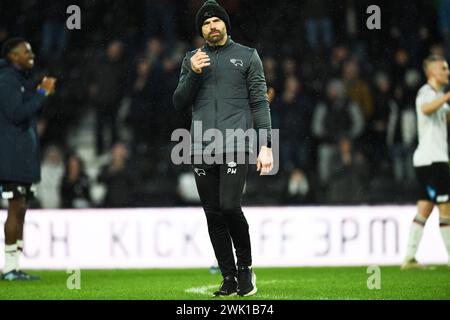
{"x":199,"y":61}
{"x":48,"y":84}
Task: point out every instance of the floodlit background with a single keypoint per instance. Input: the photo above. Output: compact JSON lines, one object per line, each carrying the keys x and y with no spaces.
{"x":116,"y":76}
{"x":110,"y":198}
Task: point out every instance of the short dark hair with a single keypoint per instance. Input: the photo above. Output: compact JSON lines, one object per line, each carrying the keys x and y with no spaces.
{"x":430,"y":59}
{"x":10,"y":45}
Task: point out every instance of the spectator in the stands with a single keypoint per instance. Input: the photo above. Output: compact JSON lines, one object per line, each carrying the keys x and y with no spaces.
{"x":357,"y":88}
{"x":292,"y":115}
{"x":339,"y":55}
{"x":75,"y":186}
{"x":107,"y":85}
{"x":52,"y":170}
{"x":318,"y":24}
{"x":402,"y":130}
{"x":54,"y":34}
{"x":159,"y":18}
{"x":378,"y":125}
{"x":335,"y":119}
{"x":289,"y":67}
{"x":348,"y":175}
{"x":118,"y":178}
{"x":271,"y":72}
{"x":143,"y":116}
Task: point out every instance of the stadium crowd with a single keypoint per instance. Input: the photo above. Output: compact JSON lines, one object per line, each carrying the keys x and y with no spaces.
{"x":344,"y":96}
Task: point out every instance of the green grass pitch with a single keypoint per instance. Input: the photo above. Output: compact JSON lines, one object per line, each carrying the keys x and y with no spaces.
{"x":273,"y":284}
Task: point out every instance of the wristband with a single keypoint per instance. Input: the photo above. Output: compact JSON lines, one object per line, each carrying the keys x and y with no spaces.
{"x":43,"y":92}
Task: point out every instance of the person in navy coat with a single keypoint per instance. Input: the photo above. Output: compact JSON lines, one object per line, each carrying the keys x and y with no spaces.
{"x":20,"y":103}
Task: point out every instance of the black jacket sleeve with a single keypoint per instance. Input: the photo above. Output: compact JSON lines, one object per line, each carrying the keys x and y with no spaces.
{"x":188,"y":86}
{"x":259,"y":104}
{"x":12,"y":105}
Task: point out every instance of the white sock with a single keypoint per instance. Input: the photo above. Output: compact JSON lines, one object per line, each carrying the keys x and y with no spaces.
{"x":11,"y":257}
{"x":444,"y":224}
{"x":415,"y":235}
{"x":19,"y":245}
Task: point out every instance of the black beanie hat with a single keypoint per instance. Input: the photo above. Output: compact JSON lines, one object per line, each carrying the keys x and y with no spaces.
{"x":211,"y":9}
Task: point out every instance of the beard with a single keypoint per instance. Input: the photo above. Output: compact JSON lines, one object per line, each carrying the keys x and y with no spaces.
{"x":216,"y":37}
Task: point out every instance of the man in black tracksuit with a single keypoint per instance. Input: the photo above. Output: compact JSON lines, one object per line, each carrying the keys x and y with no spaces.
{"x":20,"y":103}
{"x":224,"y":84}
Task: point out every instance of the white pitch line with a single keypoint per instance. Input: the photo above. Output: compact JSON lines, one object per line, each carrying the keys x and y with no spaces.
{"x":201,"y":290}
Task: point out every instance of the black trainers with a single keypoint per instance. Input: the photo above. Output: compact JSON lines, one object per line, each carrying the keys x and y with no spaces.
{"x":27,"y":277}
{"x":228,"y":287}
{"x":246,"y":282}
{"x":11,"y":276}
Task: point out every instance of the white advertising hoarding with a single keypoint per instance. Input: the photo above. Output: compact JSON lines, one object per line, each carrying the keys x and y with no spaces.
{"x":178,"y":237}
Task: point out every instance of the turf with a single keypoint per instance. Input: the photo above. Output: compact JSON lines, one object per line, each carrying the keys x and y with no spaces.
{"x":273,"y":284}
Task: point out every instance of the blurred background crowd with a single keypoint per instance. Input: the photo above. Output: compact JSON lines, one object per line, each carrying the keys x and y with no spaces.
{"x":344,"y":97}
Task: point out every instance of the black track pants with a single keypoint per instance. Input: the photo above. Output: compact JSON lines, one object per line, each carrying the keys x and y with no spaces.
{"x":220,"y":187}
